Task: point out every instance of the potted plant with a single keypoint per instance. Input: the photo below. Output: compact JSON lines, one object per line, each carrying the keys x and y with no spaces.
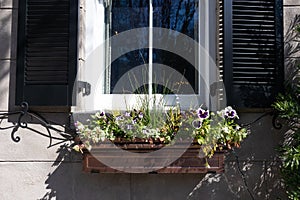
{"x":201,"y":136}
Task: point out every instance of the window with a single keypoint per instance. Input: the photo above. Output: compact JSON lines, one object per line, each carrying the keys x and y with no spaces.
{"x":152,"y":47}
{"x":245,"y":37}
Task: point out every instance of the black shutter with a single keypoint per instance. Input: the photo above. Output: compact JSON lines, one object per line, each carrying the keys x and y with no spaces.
{"x":47,"y":52}
{"x":251,"y":54}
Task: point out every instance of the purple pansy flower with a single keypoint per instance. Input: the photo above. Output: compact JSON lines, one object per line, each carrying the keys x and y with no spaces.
{"x":100,"y":114}
{"x":141,"y":115}
{"x":202,"y":114}
{"x":134,"y":121}
{"x":230,"y":113}
{"x":197,"y":124}
{"x":118,"y":118}
{"x":127,"y":114}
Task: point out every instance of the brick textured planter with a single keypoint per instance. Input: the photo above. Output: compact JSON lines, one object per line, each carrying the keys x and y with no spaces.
{"x":189,"y":162}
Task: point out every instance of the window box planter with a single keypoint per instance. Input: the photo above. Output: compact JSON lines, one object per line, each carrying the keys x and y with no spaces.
{"x":188,"y":162}
{"x":148,"y":151}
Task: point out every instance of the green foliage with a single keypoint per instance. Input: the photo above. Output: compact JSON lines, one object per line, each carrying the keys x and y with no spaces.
{"x":211,"y":130}
{"x":288,"y":107}
{"x":297,"y":28}
{"x":291,"y":171}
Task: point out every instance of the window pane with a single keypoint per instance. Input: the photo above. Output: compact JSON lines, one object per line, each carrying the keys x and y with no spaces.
{"x":180,"y":16}
{"x":128,"y":15}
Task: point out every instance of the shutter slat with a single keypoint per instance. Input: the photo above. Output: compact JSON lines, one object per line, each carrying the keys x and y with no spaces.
{"x":48,"y":61}
{"x":47,"y":22}
{"x":254,"y":65}
{"x":254,"y":29}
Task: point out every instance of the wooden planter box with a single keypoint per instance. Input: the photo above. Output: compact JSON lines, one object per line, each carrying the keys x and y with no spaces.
{"x":189,"y":162}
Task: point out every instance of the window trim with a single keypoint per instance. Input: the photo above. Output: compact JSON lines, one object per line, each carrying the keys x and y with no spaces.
{"x":206,"y":12}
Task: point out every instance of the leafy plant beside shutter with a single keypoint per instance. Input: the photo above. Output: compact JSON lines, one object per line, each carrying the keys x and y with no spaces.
{"x":47,"y":52}
{"x":251,"y":51}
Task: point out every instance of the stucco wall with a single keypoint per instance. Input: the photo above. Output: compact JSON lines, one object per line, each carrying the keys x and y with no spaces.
{"x":28,"y":170}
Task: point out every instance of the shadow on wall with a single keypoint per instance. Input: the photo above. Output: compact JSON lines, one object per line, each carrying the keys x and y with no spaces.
{"x":68,"y":181}
{"x":5,"y":24}
{"x":292,"y":49}
{"x":252,"y":180}
{"x":5,"y":56}
{"x":4,"y":79}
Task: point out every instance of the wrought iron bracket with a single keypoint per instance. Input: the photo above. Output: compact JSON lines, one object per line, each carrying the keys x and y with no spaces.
{"x":54,"y":131}
{"x":63,"y":133}
{"x":275,"y":122}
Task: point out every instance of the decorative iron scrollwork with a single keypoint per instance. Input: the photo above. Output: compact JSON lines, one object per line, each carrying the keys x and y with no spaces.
{"x":275,"y":122}
{"x":62,"y":133}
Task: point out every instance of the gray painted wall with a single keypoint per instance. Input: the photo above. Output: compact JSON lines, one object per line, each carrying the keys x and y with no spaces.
{"x":28,"y":170}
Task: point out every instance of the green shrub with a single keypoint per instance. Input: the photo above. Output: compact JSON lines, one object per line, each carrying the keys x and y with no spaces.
{"x":288,"y":107}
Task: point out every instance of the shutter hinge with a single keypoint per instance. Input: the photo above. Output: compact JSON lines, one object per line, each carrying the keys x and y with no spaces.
{"x":84,"y":87}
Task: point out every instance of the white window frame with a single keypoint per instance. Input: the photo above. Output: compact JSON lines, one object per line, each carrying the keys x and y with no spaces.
{"x":92,"y":35}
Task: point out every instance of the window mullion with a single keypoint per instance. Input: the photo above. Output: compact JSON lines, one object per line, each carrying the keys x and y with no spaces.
{"x":150,"y":48}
